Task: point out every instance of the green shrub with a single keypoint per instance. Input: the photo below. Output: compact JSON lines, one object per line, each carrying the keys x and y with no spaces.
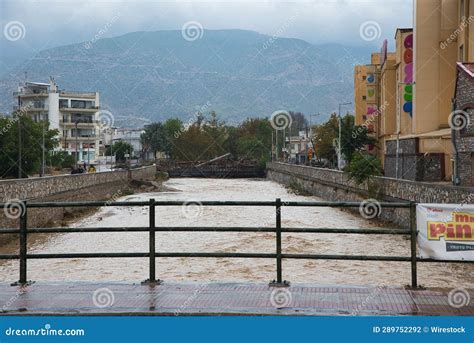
{"x":363,"y":167}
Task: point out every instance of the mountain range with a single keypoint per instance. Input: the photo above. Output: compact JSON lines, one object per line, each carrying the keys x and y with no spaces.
{"x":149,"y":76}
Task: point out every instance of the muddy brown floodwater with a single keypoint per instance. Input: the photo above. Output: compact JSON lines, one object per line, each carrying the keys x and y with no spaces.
{"x":230,"y":269}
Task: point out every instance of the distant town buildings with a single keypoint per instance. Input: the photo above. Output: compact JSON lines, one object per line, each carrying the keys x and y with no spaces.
{"x":74,"y":114}
{"x":298,"y":147}
{"x":407,"y":98}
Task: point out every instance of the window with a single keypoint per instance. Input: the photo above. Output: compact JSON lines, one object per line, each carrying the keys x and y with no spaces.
{"x":63,"y":103}
{"x":364,"y":97}
{"x":78,"y":104}
{"x":461,"y":53}
{"x":461,"y":10}
{"x":364,"y":78}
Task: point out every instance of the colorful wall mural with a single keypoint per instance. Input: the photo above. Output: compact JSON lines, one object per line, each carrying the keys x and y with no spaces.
{"x":371,"y":104}
{"x":408,"y":88}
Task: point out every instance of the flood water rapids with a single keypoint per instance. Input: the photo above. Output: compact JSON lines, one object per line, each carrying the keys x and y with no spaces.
{"x":323,"y":272}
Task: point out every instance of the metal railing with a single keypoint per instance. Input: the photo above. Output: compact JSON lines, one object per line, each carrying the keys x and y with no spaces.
{"x":23,"y":256}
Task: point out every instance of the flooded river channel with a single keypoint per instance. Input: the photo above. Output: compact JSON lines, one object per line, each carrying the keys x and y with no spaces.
{"x":230,"y":269}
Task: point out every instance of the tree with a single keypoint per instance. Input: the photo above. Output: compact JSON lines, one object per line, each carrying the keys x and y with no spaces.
{"x":162,"y":136}
{"x":353,"y":138}
{"x":254,"y":139}
{"x":172,"y":129}
{"x":193,"y":145}
{"x":363,"y":167}
{"x":119,"y":149}
{"x":299,"y":123}
{"x":324,"y":138}
{"x":203,"y":140}
{"x":60,"y":159}
{"x":31,"y":144}
{"x":153,"y":139}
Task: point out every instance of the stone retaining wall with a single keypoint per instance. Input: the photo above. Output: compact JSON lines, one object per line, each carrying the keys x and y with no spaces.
{"x":40,"y":187}
{"x":78,"y":187}
{"x":334,"y":185}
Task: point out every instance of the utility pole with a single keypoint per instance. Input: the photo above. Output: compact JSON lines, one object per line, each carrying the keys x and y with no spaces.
{"x":311,"y":132}
{"x":76,"y":144}
{"x":42,"y":156}
{"x":130,"y":149}
{"x":273,"y":146}
{"x":310,"y":124}
{"x":19,"y":138}
{"x":339,"y":148}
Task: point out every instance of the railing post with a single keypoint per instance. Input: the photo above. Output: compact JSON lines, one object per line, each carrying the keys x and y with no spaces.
{"x":413,"y":230}
{"x":279,"y":280}
{"x":23,"y":245}
{"x":152,"y":271}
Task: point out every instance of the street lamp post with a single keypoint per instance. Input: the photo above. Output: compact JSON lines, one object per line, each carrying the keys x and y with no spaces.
{"x":75,"y":133}
{"x":311,"y":133}
{"x":43,"y":152}
{"x":19,"y":137}
{"x":339,"y":148}
{"x":310,"y":124}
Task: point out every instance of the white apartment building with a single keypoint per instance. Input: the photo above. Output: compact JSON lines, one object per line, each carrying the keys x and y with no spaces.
{"x":74,"y":114}
{"x":297,"y":147}
{"x":111,"y":135}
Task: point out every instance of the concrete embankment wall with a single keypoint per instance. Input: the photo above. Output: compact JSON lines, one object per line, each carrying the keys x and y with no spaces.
{"x":94,"y":186}
{"x":334,"y":185}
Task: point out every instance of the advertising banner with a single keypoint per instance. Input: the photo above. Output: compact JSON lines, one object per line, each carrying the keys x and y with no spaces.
{"x":445,"y":231}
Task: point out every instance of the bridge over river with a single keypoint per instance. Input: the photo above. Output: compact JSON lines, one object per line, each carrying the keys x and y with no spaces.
{"x":235,"y":281}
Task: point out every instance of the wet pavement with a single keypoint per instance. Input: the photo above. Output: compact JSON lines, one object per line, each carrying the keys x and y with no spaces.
{"x":87,"y":298}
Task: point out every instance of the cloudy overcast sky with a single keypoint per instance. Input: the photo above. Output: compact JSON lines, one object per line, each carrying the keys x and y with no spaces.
{"x":51,"y":23}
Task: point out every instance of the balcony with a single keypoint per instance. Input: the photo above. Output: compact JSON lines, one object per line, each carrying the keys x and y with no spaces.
{"x":29,"y":94}
{"x":31,"y":108}
{"x":71,"y":123}
{"x":91,"y":109}
{"x":82,"y":95}
{"x":82,"y":138}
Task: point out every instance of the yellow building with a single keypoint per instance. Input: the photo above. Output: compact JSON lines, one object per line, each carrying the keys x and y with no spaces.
{"x":415,"y":90}
{"x":368,"y":95}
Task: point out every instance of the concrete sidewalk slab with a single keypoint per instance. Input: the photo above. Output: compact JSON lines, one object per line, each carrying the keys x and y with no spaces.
{"x":84,"y":298}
